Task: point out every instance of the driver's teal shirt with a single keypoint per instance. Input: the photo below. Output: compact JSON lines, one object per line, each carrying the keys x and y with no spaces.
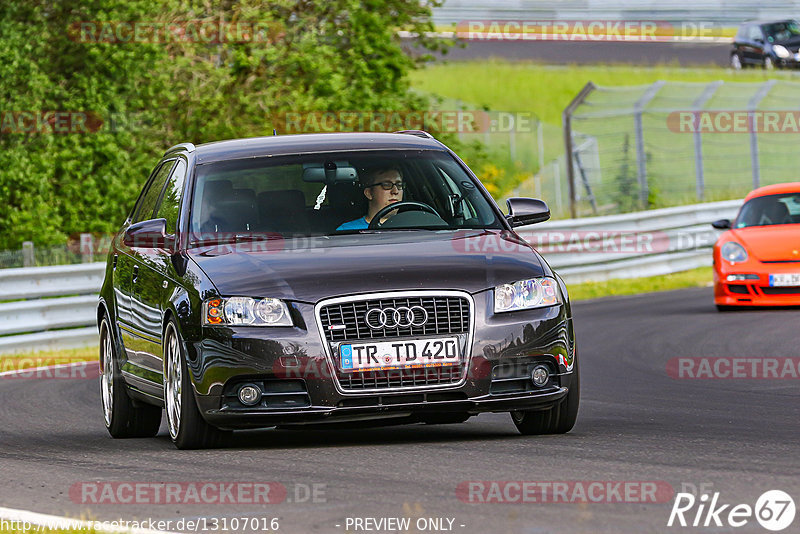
{"x":358,"y":224}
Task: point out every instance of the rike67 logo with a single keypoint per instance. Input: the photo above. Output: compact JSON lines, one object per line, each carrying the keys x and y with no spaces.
{"x":774,"y":510}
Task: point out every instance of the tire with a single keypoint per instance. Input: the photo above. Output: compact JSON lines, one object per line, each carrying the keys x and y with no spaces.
{"x":122,"y":417}
{"x":187,"y":428}
{"x":736,"y":62}
{"x":768,"y":63}
{"x":556,"y":420}
{"x":723,"y":308}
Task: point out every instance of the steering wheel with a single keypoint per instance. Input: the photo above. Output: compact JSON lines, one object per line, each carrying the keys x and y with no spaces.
{"x":400,"y":206}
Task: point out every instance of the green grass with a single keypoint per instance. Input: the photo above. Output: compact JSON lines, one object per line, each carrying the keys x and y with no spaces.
{"x":42,"y":530}
{"x":26,"y":360}
{"x":547,"y":89}
{"x":700,"y":277}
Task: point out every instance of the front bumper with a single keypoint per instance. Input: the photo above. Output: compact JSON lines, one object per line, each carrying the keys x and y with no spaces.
{"x":397,"y":407}
{"x":754,"y":292}
{"x":503,"y":344}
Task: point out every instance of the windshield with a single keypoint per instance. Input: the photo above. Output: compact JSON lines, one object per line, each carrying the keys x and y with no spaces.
{"x":782,"y":31}
{"x":770,"y":210}
{"x":335,"y":193}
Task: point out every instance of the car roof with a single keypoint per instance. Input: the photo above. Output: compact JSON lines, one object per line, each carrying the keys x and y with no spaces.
{"x":281,"y":145}
{"x":766,"y":22}
{"x":775,"y":189}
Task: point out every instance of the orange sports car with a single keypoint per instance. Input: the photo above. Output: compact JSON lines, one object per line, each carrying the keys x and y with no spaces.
{"x":757,"y":260}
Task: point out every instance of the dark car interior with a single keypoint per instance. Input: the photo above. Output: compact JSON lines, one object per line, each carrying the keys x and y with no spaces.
{"x":770,"y":210}
{"x":253,"y":199}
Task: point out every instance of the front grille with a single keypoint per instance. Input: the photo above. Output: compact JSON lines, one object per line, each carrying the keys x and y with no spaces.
{"x":739,"y":289}
{"x":400,"y":378}
{"x":781,"y":290}
{"x":448,"y":315}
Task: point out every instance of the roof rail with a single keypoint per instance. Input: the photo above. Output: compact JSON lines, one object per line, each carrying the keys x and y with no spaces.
{"x":188,"y":147}
{"x":418,"y":133}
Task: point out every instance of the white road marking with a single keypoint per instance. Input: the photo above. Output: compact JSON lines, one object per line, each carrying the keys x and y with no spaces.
{"x":66,"y":523}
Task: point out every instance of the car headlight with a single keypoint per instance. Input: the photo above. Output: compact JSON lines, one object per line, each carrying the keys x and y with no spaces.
{"x":526,"y":294}
{"x":246,"y":311}
{"x":733,"y":252}
{"x":781,"y":51}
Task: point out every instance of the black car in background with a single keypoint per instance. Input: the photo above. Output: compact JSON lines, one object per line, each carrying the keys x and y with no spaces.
{"x":247,"y":289}
{"x":767,"y":44}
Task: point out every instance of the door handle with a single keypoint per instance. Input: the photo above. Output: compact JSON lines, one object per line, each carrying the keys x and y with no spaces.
{"x":135,"y":273}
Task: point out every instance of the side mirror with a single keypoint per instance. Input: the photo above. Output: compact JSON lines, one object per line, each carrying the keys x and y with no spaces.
{"x":722,"y":224}
{"x":522,"y":211}
{"x":148,"y":234}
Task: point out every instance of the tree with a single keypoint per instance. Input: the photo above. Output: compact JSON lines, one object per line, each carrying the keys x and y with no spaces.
{"x":132,"y":99}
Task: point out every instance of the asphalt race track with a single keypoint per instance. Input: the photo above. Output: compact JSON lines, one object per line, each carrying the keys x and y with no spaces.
{"x":737,"y":437}
{"x":583,"y":53}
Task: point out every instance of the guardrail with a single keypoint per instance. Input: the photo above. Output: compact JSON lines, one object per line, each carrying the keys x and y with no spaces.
{"x":729,"y":12}
{"x":631,"y":245}
{"x":43,"y":323}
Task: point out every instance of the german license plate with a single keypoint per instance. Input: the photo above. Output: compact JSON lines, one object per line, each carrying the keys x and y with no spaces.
{"x":784,"y":280}
{"x":415,"y":353}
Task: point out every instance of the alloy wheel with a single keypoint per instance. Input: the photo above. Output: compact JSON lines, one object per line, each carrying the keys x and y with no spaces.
{"x":107,"y":376}
{"x":173,"y":383}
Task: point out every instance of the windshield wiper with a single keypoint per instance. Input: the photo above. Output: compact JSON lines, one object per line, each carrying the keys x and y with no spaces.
{"x":234,"y":238}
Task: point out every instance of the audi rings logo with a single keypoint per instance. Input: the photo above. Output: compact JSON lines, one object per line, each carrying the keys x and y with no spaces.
{"x":401,"y":317}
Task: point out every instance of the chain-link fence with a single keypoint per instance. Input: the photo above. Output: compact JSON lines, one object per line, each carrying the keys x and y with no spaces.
{"x":86,"y":248}
{"x":669,"y":144}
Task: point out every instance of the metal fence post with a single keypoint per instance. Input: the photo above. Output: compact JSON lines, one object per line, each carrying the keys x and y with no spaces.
{"x":87,"y":248}
{"x":28,"y":257}
{"x":641,"y":156}
{"x":752,"y":104}
{"x":566,"y":120}
{"x":540,"y":143}
{"x":697,"y":106}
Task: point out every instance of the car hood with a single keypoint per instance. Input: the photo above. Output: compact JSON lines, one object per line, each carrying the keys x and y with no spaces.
{"x":771,"y":243}
{"x":793,"y":43}
{"x":311,"y":269}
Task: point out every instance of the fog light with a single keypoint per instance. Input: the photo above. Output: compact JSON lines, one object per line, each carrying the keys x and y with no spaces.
{"x":540,"y":375}
{"x":741,"y":277}
{"x":249,"y":395}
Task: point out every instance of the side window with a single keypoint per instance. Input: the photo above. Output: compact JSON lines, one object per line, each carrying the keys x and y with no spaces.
{"x":150,"y":197}
{"x":743,"y":33}
{"x":755,"y":33}
{"x":170,"y":204}
{"x":456,"y":194}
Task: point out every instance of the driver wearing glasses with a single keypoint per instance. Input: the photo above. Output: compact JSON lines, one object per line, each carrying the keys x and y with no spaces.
{"x":382,"y":188}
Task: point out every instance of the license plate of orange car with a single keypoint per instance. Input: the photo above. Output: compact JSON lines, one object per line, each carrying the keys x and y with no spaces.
{"x":784,"y":280}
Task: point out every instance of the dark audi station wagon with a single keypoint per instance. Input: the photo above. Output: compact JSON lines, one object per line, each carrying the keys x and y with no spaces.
{"x":309,"y":279}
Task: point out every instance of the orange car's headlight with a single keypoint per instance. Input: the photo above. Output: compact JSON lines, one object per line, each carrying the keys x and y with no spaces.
{"x":733,"y":252}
